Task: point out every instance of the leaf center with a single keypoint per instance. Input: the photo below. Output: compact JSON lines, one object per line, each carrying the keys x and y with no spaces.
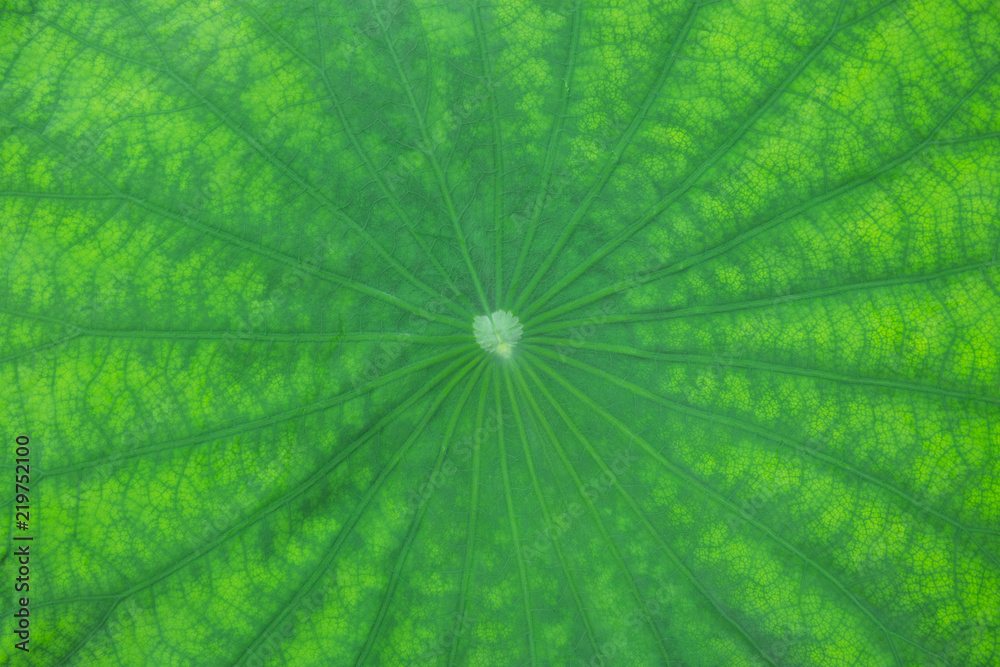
{"x":497,"y":333}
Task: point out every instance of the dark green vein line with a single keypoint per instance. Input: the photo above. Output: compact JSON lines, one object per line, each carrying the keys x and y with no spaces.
{"x":958,"y":141}
{"x":720,"y":499}
{"x":270,"y":420}
{"x":217,"y":336}
{"x":375,"y":174}
{"x":768,"y":302}
{"x":470,"y":539}
{"x":222,"y":334}
{"x":57,"y":195}
{"x":277,"y":337}
{"x":554,"y":440}
{"x":777,"y":438}
{"x":240,"y":242}
{"x":376,"y":625}
{"x":705,"y":360}
{"x":756,"y":230}
{"x":515,"y":537}
{"x":692,"y":177}
{"x":38,"y":349}
{"x":498,"y":161}
{"x":546,"y":514}
{"x":613,"y":160}
{"x":432,"y":158}
{"x":252,"y":519}
{"x":550,"y":150}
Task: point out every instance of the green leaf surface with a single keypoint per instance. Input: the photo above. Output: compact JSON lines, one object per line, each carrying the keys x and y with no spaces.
{"x":754,"y":416}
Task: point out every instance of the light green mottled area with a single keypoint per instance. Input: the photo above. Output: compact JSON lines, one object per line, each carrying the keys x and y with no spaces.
{"x":753,"y":418}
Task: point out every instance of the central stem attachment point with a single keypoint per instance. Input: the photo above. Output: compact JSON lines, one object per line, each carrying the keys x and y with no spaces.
{"x":497,"y":333}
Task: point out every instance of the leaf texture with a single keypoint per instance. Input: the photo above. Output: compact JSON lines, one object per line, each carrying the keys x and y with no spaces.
{"x":754,"y":417}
